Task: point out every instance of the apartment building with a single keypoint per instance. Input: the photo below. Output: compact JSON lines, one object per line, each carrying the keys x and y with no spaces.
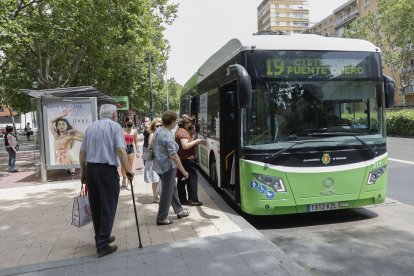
{"x":288,"y":16}
{"x":344,"y":15}
{"x":336,"y":23}
{"x":324,"y":27}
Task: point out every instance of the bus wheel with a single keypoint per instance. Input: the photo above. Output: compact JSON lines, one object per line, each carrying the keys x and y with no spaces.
{"x":213,"y":172}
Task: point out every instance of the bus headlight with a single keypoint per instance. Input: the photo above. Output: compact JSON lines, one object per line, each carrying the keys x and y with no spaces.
{"x":276,"y":183}
{"x":375,"y":174}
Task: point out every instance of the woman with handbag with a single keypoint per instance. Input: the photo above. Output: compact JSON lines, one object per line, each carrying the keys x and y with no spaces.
{"x":166,"y":163}
{"x":187,"y":153}
{"x":150,"y":176}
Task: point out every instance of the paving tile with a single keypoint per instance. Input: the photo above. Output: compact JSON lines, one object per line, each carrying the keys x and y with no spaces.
{"x":171,"y":267}
{"x":201,"y":261}
{"x":234,"y":267}
{"x":145,"y":269}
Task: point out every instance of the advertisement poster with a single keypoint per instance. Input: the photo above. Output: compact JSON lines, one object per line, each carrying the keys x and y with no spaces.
{"x":65,"y":122}
{"x":122,"y":103}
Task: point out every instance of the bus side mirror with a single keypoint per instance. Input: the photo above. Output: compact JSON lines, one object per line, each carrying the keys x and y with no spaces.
{"x":244,"y":85}
{"x":389,"y":90}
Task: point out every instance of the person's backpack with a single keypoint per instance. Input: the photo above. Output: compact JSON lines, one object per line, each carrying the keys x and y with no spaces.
{"x":6,"y":142}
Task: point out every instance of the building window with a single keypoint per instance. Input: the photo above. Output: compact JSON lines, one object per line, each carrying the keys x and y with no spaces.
{"x":366,"y":3}
{"x":300,"y":24}
{"x":300,"y":15}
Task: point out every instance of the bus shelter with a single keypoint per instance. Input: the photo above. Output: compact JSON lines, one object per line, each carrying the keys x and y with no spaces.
{"x":62,"y":116}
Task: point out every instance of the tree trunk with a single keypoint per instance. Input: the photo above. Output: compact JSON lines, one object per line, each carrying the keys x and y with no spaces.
{"x":14,"y":125}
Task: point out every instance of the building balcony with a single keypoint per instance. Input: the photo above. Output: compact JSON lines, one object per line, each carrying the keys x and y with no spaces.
{"x":347,"y":20}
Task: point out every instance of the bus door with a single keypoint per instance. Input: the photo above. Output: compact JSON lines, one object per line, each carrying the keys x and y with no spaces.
{"x":228,"y":137}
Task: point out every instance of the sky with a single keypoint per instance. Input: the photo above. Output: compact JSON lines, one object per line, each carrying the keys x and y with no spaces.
{"x":204,"y":26}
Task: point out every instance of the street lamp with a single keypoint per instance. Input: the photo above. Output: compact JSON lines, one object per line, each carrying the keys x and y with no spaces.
{"x":150,"y":88}
{"x":166,"y":88}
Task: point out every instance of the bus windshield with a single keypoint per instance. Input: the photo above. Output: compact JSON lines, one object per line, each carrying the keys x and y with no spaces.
{"x":303,"y":96}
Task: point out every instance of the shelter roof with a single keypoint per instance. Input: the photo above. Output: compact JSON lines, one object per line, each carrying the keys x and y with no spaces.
{"x":80,"y":91}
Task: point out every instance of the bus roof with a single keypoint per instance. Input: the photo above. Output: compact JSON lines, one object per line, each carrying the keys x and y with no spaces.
{"x":308,"y":42}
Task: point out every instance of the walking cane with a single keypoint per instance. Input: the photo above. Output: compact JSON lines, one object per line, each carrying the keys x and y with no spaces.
{"x":135,"y":210}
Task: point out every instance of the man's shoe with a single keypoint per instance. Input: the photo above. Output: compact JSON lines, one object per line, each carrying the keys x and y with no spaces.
{"x":184,"y":213}
{"x":184,"y":203}
{"x":111,"y":239}
{"x":164,"y":222}
{"x":106,"y":250}
{"x":195,"y":203}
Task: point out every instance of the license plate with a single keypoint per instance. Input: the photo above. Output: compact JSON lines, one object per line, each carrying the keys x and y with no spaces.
{"x":327,"y":206}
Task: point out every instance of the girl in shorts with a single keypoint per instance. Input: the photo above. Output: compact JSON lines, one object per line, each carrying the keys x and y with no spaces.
{"x":131,"y":140}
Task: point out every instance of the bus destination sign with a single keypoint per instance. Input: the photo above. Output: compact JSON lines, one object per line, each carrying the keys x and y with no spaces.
{"x":305,"y":67}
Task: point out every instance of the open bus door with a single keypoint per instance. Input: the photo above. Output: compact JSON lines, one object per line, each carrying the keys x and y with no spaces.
{"x":234,"y":96}
{"x":228,"y":139}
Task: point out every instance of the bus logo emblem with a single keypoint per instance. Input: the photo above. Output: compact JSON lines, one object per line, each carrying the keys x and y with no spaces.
{"x":326,"y":158}
{"x":328,"y":185}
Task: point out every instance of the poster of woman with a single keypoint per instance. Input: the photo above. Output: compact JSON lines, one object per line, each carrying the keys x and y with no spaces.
{"x":66,"y":125}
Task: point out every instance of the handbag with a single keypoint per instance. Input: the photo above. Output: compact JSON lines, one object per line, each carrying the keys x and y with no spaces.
{"x":148,"y":154}
{"x":81,"y":210}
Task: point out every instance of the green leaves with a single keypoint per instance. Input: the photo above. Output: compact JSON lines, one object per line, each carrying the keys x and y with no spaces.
{"x":400,"y":123}
{"x":103,"y":43}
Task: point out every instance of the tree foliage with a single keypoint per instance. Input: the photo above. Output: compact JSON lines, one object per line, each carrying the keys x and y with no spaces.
{"x":102,"y":43}
{"x":391,"y":29}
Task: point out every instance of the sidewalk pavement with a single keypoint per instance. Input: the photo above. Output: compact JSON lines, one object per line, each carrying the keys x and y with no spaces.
{"x":36,"y":237}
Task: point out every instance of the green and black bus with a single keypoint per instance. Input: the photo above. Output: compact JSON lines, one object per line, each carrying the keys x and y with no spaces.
{"x":293,"y":124}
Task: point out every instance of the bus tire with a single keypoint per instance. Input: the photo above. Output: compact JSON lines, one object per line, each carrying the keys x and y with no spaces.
{"x":213,"y":172}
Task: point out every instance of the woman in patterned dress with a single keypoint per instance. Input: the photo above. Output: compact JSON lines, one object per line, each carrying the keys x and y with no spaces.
{"x":150,"y":176}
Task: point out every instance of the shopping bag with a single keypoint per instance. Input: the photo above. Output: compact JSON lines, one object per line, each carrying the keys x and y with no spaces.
{"x":81,"y":210}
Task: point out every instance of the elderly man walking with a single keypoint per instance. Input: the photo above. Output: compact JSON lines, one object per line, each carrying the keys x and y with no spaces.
{"x":102,"y":148}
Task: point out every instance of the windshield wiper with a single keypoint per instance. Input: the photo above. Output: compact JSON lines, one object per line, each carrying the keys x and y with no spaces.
{"x":278,"y":153}
{"x":372,"y":150}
